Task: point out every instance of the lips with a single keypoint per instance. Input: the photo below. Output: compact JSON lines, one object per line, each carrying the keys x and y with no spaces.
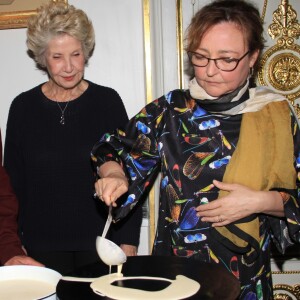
{"x":212,"y":82}
{"x":69,"y":78}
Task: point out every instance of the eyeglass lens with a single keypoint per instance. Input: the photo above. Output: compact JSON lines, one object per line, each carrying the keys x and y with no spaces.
{"x":224,"y":64}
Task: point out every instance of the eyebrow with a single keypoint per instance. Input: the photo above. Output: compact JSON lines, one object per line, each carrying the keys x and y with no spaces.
{"x":60,"y":52}
{"x":221,"y":52}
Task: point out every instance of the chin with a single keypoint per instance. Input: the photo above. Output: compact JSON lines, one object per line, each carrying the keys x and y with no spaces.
{"x":70,"y":84}
{"x":216,"y":93}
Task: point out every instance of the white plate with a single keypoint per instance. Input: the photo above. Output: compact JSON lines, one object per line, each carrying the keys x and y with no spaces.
{"x":28,"y":283}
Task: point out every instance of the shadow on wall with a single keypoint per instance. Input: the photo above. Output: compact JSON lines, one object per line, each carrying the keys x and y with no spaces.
{"x":280,"y":259}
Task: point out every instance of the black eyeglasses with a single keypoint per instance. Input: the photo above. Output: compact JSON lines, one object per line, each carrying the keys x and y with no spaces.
{"x":226,"y":64}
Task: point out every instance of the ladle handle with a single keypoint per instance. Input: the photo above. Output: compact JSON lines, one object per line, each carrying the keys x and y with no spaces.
{"x":108,"y":222}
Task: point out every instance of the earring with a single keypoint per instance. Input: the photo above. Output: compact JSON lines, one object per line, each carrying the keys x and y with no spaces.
{"x":251,"y":71}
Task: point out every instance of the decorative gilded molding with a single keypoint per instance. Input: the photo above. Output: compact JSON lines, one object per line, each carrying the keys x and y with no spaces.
{"x":286,"y":292}
{"x":285,"y":24}
{"x":18,"y":19}
{"x":264,"y":10}
{"x":148,"y":76}
{"x":280,"y":64}
{"x":285,"y":272}
{"x":179,"y":37}
{"x":147,"y":50}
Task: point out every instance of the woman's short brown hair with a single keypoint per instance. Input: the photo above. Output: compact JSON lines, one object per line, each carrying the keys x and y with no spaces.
{"x":242,"y":13}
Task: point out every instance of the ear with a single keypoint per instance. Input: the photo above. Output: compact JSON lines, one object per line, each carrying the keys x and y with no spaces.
{"x":253,"y":58}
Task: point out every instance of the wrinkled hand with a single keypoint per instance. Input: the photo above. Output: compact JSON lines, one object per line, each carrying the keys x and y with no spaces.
{"x":110,"y":188}
{"x":23,"y":260}
{"x":239,"y":203}
{"x":129,"y":250}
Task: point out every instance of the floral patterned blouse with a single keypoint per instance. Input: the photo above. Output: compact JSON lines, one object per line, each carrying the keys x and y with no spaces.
{"x":191,"y":147}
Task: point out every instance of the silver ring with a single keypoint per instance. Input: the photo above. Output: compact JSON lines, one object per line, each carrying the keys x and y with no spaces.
{"x":220,"y":219}
{"x":97,"y":195}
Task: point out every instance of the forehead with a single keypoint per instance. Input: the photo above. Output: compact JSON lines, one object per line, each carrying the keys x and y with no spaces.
{"x":63,"y":41}
{"x":224,"y":35}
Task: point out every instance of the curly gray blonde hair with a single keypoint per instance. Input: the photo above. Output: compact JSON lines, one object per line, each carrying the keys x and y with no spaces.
{"x":54,"y":19}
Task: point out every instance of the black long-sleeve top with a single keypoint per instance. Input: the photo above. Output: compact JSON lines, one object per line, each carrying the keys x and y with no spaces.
{"x":50,"y":169}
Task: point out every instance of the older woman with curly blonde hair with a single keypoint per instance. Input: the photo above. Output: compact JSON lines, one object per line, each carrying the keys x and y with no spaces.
{"x":60,"y":20}
{"x":50,"y":132}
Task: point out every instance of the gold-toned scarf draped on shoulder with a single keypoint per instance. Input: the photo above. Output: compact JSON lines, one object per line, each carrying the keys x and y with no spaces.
{"x":263,"y":160}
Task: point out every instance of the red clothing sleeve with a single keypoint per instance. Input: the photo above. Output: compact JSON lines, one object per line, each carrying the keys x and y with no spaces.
{"x":10,"y":244}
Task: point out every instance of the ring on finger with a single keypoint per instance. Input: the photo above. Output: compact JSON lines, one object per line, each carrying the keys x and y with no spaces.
{"x":220,"y":219}
{"x":98,"y":195}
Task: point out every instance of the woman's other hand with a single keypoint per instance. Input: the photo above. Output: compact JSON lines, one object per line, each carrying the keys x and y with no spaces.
{"x":113,"y":183}
{"x":129,"y":250}
{"x":23,"y":260}
{"x":239,"y":203}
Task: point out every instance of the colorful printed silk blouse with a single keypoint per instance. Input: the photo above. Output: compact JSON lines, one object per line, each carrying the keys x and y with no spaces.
{"x":191,"y":147}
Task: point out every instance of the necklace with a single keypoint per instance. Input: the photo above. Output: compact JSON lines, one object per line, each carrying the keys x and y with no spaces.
{"x":62,"y":117}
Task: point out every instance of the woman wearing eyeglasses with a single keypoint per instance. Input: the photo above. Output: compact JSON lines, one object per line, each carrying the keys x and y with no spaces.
{"x":228,"y":152}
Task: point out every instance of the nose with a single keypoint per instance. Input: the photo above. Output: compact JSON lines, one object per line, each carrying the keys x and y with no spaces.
{"x":68,"y":65}
{"x":211,"y":68}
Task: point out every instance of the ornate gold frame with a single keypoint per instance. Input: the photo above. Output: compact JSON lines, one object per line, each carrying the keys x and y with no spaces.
{"x":179,"y":33}
{"x":280,"y":64}
{"x":285,"y":291}
{"x":18,"y":19}
{"x":148,"y":79}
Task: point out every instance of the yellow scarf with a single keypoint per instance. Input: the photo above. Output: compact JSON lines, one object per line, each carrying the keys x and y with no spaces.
{"x":263,"y":160}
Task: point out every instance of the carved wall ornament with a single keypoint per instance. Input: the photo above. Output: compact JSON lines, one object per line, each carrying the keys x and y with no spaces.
{"x":280,"y":64}
{"x":286,"y":292}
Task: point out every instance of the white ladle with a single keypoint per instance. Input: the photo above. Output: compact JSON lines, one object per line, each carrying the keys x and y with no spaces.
{"x":109,"y":252}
